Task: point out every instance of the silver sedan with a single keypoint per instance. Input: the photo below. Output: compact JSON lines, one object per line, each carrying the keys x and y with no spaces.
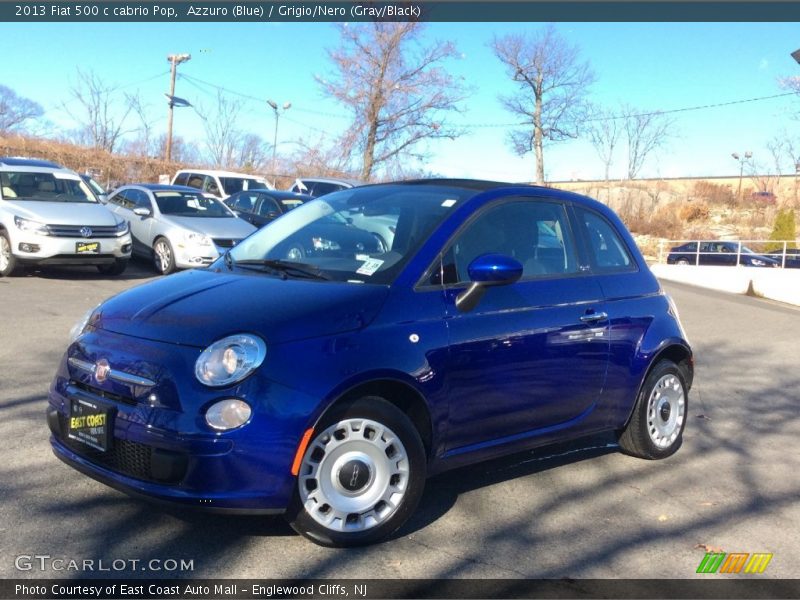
{"x":178,"y":227}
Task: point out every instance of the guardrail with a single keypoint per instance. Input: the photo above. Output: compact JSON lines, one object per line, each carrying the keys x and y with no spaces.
{"x":730,"y":252}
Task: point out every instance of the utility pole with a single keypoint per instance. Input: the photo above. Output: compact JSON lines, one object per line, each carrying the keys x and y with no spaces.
{"x":174,"y":60}
{"x":274,"y":106}
{"x":747,"y":156}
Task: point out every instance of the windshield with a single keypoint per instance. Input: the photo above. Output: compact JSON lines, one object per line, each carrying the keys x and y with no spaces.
{"x":231,"y":185}
{"x":359,"y":235}
{"x":190,"y":204}
{"x":44,"y":187}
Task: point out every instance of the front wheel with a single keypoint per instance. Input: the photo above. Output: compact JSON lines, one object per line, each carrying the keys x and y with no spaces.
{"x":655,"y":429}
{"x":361,"y":476}
{"x":163,"y":256}
{"x":8,"y":262}
{"x":682,"y":261}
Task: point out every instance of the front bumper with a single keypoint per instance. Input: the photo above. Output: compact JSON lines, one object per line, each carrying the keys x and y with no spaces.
{"x":30,"y":248}
{"x":162,"y":449}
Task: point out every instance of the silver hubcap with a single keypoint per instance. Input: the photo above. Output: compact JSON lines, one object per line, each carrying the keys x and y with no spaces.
{"x":665,"y":411}
{"x":163,"y":256}
{"x":5,"y":253}
{"x":354,"y":475}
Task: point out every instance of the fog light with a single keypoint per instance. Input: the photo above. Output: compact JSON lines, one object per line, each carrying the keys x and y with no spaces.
{"x":228,"y":414}
{"x":31,"y":248}
{"x":126,"y":248}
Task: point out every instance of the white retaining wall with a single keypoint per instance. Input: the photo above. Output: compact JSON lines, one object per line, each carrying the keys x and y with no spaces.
{"x":782,"y":285}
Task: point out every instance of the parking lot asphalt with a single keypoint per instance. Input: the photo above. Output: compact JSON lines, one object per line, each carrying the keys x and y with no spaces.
{"x":579,"y":511}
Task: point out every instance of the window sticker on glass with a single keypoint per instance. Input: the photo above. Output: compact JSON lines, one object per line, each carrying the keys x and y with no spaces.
{"x":370,"y":266}
{"x":449,"y":203}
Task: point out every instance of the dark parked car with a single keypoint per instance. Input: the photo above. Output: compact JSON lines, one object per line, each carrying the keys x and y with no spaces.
{"x":330,"y":388}
{"x":333,"y":235}
{"x":792,"y":260}
{"x":718,"y":253}
{"x":261,"y":207}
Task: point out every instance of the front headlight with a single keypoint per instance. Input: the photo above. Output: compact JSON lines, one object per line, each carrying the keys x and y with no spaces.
{"x":31,"y":226}
{"x":197,"y":239}
{"x":756,"y":262}
{"x":122,"y":228}
{"x":81,"y":325}
{"x":229,"y":360}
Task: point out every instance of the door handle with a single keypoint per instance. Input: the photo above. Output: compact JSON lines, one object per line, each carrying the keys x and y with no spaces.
{"x":591,"y":318}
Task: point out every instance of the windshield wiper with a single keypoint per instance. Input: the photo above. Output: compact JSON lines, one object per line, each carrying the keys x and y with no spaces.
{"x":287,"y":268}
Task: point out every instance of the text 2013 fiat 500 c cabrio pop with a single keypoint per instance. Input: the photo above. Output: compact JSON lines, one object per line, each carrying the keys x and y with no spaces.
{"x":309,"y":376}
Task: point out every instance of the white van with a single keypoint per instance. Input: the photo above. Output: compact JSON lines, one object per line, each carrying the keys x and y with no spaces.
{"x":220,"y":184}
{"x":49,"y":216}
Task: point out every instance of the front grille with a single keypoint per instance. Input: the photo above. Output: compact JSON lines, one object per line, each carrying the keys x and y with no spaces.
{"x":225,"y":243}
{"x":74,"y":231}
{"x":102,"y":393}
{"x":132,"y":459}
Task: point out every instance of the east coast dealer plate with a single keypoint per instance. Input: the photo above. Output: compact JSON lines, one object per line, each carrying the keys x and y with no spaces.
{"x":87,"y":247}
{"x":90,"y":423}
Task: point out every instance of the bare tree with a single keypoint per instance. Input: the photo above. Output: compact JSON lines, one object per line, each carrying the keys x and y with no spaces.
{"x":252,"y":152}
{"x":644,"y":133}
{"x":604,"y":131}
{"x":182,"y":151}
{"x":145,"y":143}
{"x":103,"y":115}
{"x":552,"y":85}
{"x":396,"y":89}
{"x":15,"y":110}
{"x":222,"y":135}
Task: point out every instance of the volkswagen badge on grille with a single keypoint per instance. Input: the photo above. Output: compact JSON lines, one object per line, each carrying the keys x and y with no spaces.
{"x":101,"y":370}
{"x":86,"y":232}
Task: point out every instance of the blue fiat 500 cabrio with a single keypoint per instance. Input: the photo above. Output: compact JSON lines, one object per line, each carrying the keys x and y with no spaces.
{"x":328,"y":386}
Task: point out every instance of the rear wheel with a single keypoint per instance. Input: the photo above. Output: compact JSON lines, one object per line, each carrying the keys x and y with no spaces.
{"x":682,"y":261}
{"x":116,"y":268}
{"x":361,"y":476}
{"x":655,"y":429}
{"x":163,"y":256}
{"x":8,"y":261}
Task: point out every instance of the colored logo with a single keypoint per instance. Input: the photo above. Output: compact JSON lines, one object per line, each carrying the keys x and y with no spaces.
{"x":101,"y":370}
{"x":734,"y":562}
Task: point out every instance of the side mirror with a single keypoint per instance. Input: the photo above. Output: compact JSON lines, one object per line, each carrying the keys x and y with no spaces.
{"x":103,"y":198}
{"x":273,"y":215}
{"x":487,"y":270}
{"x":142,"y":211}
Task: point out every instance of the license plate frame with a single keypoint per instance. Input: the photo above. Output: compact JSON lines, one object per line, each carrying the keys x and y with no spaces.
{"x":91,"y":423}
{"x":87,"y":247}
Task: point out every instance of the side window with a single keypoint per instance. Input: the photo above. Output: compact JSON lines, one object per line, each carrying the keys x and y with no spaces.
{"x":194,"y":180}
{"x":117,"y":199}
{"x":181,"y":179}
{"x":139,"y":199}
{"x":607,"y":250}
{"x":536,"y":233}
{"x":321,"y":188}
{"x":245,"y":203}
{"x":211,"y":186}
{"x":268,"y":205}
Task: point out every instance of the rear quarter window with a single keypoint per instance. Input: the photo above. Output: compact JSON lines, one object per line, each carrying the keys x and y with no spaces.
{"x":607,"y":250}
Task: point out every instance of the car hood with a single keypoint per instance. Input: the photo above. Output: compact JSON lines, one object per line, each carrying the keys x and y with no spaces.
{"x":222,"y":227}
{"x":196,"y":308}
{"x":64,"y":213}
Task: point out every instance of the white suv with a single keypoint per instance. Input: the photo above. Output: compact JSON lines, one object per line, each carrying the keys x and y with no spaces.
{"x":220,"y":184}
{"x":48,"y":216}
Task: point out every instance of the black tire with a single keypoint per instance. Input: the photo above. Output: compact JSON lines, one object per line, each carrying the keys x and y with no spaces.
{"x":8,"y":262}
{"x":655,"y":429}
{"x":337,"y":442}
{"x":682,"y":261}
{"x":163,"y":256}
{"x":116,"y":268}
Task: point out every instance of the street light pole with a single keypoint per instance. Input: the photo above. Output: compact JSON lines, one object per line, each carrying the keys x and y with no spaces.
{"x":175,"y":60}
{"x":747,"y":156}
{"x":274,"y":106}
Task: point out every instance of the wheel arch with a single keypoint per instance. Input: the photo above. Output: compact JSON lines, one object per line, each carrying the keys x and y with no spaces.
{"x":677,"y":351}
{"x":397,"y":392}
